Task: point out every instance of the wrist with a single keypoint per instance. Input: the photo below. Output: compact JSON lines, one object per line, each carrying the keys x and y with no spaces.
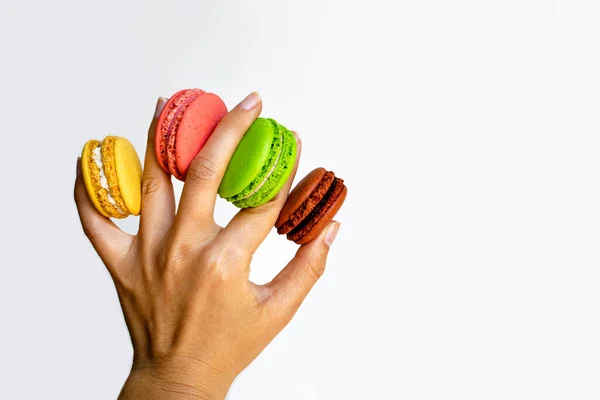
{"x":175,"y":378}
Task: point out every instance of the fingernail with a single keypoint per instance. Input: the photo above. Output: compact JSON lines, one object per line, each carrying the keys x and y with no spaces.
{"x":250,"y":102}
{"x":78,"y":170}
{"x":331,"y":233}
{"x":160,"y":104}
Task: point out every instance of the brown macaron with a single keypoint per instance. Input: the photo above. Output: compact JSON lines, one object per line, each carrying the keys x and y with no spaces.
{"x":311,"y":206}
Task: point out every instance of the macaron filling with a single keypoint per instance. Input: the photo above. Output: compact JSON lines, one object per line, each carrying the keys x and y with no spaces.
{"x":170,"y":125}
{"x":97,"y":157}
{"x":317,"y":213}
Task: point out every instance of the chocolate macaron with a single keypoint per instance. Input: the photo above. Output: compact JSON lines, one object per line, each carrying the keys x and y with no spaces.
{"x":311,"y":206}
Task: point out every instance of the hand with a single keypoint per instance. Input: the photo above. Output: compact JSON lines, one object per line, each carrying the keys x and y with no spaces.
{"x":195,"y":319}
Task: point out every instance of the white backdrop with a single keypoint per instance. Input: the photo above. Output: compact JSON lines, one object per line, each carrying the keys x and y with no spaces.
{"x":467,"y":131}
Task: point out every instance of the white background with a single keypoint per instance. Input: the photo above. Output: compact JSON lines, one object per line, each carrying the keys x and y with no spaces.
{"x":467,"y":266}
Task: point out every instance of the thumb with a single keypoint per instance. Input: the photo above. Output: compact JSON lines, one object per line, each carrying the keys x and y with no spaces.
{"x":108,"y":240}
{"x":291,"y":286}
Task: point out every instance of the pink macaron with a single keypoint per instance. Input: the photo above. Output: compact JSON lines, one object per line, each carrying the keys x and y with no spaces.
{"x":184,"y":125}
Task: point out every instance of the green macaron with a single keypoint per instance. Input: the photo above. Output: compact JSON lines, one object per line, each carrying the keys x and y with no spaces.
{"x":261,"y":164}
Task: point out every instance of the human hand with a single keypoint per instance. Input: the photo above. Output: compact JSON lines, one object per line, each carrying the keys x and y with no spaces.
{"x":195,"y":319}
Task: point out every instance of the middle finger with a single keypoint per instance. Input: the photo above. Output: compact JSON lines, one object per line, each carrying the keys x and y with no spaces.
{"x":204,"y":176}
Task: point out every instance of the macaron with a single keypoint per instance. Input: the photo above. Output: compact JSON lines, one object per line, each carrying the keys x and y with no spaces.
{"x":184,"y":125}
{"x":112,"y":174}
{"x":260,"y":165}
{"x":311,"y":206}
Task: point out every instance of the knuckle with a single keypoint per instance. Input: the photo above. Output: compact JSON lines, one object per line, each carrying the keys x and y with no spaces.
{"x":315,"y":266}
{"x":233,"y":255}
{"x":221,"y":262}
{"x":212,"y":258}
{"x":175,"y":254}
{"x":90,"y":230}
{"x":150,"y":186}
{"x":203,"y":170}
{"x":175,"y":251}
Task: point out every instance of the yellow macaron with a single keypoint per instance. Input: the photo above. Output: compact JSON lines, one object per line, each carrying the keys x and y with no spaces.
{"x":112,"y":173}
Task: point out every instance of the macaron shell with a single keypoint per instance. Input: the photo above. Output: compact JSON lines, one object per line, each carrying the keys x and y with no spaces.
{"x":299,"y":194}
{"x":90,"y":186}
{"x":248,"y":159}
{"x":325,"y":219}
{"x":311,"y":203}
{"x":159,"y":140}
{"x":268,"y":168}
{"x":129,"y":174}
{"x":197,"y":124}
{"x":279,"y":176}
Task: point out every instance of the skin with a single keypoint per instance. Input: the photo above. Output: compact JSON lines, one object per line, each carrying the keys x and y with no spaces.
{"x":195,"y":319}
